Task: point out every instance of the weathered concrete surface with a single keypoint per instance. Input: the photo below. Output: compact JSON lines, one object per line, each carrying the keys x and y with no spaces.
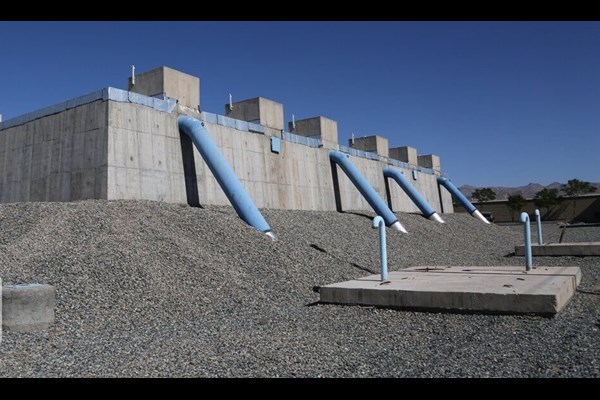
{"x":27,"y":308}
{"x":59,"y":157}
{"x":562,"y":249}
{"x":544,"y":290}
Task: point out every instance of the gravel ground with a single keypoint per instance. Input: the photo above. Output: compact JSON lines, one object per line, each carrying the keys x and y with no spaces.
{"x":153,"y":289}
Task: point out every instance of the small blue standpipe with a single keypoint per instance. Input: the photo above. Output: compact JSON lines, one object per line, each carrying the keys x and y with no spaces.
{"x":538,"y":221}
{"x":378,"y":222}
{"x":527,"y":233}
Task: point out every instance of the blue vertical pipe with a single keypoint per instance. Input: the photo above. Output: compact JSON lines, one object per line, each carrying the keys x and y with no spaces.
{"x":379,"y":223}
{"x":527,"y":234}
{"x":538,"y":222}
{"x":233,"y":189}
{"x":366,"y":189}
{"x":415,"y":196}
{"x":461,"y":198}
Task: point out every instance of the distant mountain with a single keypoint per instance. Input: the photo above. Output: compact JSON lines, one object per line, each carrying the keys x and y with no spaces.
{"x":527,"y":191}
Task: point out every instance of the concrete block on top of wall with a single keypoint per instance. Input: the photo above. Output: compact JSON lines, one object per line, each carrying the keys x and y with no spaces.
{"x":374,"y":143}
{"x":258,"y":110}
{"x":169,"y":82}
{"x":405,"y":154}
{"x":429,"y":161}
{"x":320,"y":126}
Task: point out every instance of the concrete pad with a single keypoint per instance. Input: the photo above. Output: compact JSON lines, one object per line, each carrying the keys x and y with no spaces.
{"x":562,"y":249}
{"x":492,"y":290}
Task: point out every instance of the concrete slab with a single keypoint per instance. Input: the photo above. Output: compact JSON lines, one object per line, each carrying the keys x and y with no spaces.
{"x":491,"y":290}
{"x":562,"y":249}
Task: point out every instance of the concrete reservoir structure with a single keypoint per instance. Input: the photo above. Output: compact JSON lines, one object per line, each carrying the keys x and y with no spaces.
{"x":125,"y":144}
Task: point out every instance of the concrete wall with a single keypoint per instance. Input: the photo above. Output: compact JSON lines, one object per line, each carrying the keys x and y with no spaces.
{"x":59,"y":157}
{"x":299,"y":177}
{"x":121,"y":150}
{"x":144,"y":154}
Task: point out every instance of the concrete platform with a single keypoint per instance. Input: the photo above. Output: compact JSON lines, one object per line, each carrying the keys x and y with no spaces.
{"x":492,"y":290}
{"x":562,"y":249}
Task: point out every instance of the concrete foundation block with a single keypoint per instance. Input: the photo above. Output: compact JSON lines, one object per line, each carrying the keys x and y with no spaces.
{"x":27,"y":308}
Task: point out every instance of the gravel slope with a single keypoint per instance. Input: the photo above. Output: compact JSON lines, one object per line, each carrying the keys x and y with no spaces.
{"x":153,"y":289}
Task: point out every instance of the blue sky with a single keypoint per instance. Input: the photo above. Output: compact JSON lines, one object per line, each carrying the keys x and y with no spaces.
{"x":502,"y":103}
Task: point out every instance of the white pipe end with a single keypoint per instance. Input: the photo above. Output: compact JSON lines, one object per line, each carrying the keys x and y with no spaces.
{"x":477,"y":214}
{"x":436,"y":217}
{"x":271,"y":235}
{"x":398,"y":227}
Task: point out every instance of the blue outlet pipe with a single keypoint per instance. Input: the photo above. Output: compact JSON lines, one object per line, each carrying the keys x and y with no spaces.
{"x":379,"y":223}
{"x":366,"y":190}
{"x":461,"y":198}
{"x":538,"y":222}
{"x":220,"y":168}
{"x":415,"y":196}
{"x":527,"y":234}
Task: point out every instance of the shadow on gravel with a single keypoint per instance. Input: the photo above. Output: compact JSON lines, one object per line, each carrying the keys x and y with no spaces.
{"x":369,"y":217}
{"x":588,"y":292}
{"x":355,"y":265}
{"x":510,"y":254}
{"x":322,"y":250}
{"x":363,"y":268}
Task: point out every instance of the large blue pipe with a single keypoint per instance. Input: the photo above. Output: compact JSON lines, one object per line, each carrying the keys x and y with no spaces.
{"x":366,"y":190}
{"x":415,"y":196}
{"x":461,"y":198}
{"x":220,"y":168}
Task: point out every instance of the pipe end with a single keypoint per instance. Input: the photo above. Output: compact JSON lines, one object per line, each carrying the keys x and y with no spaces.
{"x":436,"y":217}
{"x":398,"y":227}
{"x":477,"y":214}
{"x":271,"y":235}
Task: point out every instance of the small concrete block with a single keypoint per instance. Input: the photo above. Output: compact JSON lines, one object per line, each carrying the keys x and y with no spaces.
{"x":260,"y":110}
{"x":429,"y":161}
{"x":503,"y":290}
{"x":579,"y":249}
{"x":27,"y":308}
{"x":322,"y":127}
{"x":374,"y":143}
{"x":170,"y":82}
{"x":405,"y":154}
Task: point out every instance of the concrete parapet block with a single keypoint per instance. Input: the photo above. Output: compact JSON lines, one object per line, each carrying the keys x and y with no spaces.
{"x":429,"y":161}
{"x":374,"y":143}
{"x":27,"y":308}
{"x":320,"y":126}
{"x":405,"y":154}
{"x":258,"y":110}
{"x":168,"y":82}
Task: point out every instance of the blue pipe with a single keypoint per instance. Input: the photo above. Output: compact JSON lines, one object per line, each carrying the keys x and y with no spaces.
{"x":538,"y":222}
{"x":527,"y":234}
{"x":366,"y":190}
{"x":233,"y":189}
{"x":461,"y":198}
{"x":415,"y":196}
{"x":379,"y":223}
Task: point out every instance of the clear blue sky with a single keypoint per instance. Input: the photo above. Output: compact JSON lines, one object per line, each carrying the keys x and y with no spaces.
{"x":502,"y":103}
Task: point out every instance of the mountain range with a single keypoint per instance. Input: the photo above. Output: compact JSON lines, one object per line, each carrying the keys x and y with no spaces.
{"x":527,"y":191}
